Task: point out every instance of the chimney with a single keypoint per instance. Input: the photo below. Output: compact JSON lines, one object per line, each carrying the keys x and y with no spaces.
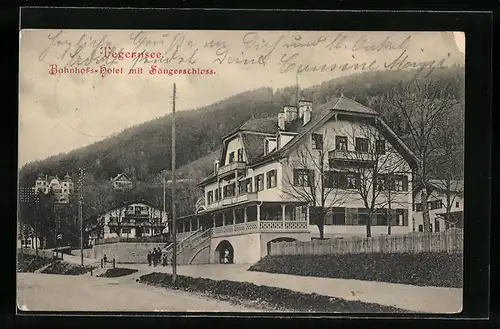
{"x":305,"y":110}
{"x":281,"y":120}
{"x":290,"y":113}
{"x":216,"y":166}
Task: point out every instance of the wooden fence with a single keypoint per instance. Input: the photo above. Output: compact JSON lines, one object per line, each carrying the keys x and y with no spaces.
{"x":449,"y":241}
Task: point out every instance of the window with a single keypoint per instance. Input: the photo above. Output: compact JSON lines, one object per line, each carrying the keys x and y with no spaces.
{"x":401,"y":217}
{"x":380,"y":146}
{"x":381,"y":183}
{"x":329,"y":179}
{"x":345,"y":180}
{"x":381,"y":217}
{"x":259,"y":182}
{"x":210,"y":197}
{"x":341,"y":143}
{"x":240,"y":155}
{"x":419,"y":207}
{"x":217,"y":194}
{"x":157,"y":231}
{"x":361,"y":144}
{"x":249,"y":185}
{"x":338,"y":215}
{"x":138,"y":209}
{"x":231,"y":157}
{"x":125,"y":230}
{"x":229,"y":190}
{"x":352,"y":181}
{"x":436,"y":225}
{"x":457,"y":204}
{"x":399,"y":183}
{"x":421,"y":228}
{"x":363,"y":216}
{"x":271,"y":178}
{"x":317,"y":141}
{"x":435,"y":204}
{"x":242,"y":188}
{"x":303,"y":177}
{"x":146,"y":230}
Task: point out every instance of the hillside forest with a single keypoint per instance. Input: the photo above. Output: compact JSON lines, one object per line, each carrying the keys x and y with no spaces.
{"x":143,"y":151}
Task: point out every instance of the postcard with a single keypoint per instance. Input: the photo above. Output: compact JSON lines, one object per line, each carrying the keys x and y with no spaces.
{"x":241,"y":171}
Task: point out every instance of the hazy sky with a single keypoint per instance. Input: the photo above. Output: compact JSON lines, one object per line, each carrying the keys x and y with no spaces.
{"x":62,"y":112}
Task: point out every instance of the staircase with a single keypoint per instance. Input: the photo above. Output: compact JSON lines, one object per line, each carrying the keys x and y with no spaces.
{"x":189,"y":246}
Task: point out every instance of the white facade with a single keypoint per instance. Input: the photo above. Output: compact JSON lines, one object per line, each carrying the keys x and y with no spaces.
{"x":133,"y":220}
{"x":438,"y":204}
{"x":122,"y":182}
{"x":237,"y":180}
{"x":62,"y":188}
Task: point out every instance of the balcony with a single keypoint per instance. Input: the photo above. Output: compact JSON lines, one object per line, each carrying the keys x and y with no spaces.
{"x":231,"y":168}
{"x":136,"y":214}
{"x":233,"y":200}
{"x":260,"y":226}
{"x":354,"y":157}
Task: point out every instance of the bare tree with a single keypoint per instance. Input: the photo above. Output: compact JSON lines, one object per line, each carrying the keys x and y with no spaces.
{"x":448,"y":169}
{"x":374,"y":172}
{"x":422,"y":104}
{"x":308,"y":178}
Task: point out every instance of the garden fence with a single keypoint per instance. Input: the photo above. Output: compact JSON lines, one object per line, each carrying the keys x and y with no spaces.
{"x":449,"y":241}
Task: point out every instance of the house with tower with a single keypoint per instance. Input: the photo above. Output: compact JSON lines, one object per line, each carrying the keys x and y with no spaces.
{"x":62,"y":188}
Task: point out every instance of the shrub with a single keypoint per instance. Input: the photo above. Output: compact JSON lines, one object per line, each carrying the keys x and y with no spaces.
{"x":31,"y":263}
{"x":423,"y":269}
{"x":64,"y":268}
{"x":277,"y":298}
{"x":117,"y":272}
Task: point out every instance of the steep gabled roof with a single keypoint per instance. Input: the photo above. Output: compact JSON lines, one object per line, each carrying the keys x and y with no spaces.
{"x":262,"y":125}
{"x":254,"y":143}
{"x":254,"y":146}
{"x":122,"y":175}
{"x":456,"y":186}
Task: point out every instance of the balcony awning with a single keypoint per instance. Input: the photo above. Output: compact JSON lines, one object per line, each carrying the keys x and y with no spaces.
{"x":238,"y":205}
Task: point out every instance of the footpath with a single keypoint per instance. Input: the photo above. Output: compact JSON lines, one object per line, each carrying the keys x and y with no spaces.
{"x":439,"y":300}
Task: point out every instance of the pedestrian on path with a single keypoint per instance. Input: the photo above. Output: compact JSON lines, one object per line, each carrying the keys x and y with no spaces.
{"x":155,"y":257}
{"x":149,"y":257}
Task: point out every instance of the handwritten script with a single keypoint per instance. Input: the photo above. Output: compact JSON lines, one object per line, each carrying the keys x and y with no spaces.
{"x":298,"y":52}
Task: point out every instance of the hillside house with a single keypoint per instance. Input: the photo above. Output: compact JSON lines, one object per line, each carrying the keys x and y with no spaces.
{"x":122,"y":182}
{"x":62,"y":188}
{"x":273,"y":174}
{"x":138,"y":219}
{"x":446,"y":205}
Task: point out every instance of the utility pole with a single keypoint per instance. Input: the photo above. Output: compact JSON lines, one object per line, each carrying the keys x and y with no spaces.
{"x":36,"y":213}
{"x":174,"y":228}
{"x":80,"y":210}
{"x":164,"y":215}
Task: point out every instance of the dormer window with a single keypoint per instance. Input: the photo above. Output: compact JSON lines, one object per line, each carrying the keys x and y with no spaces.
{"x":240,"y":155}
{"x":231,"y":157}
{"x":317,"y":141}
{"x":380,"y":146}
{"x":341,"y":143}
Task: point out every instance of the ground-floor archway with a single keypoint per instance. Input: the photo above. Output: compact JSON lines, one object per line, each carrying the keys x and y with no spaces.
{"x":224,"y":253}
{"x":282,"y":239}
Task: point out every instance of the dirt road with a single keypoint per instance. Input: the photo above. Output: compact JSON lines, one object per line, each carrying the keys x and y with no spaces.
{"x":47,"y":292}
